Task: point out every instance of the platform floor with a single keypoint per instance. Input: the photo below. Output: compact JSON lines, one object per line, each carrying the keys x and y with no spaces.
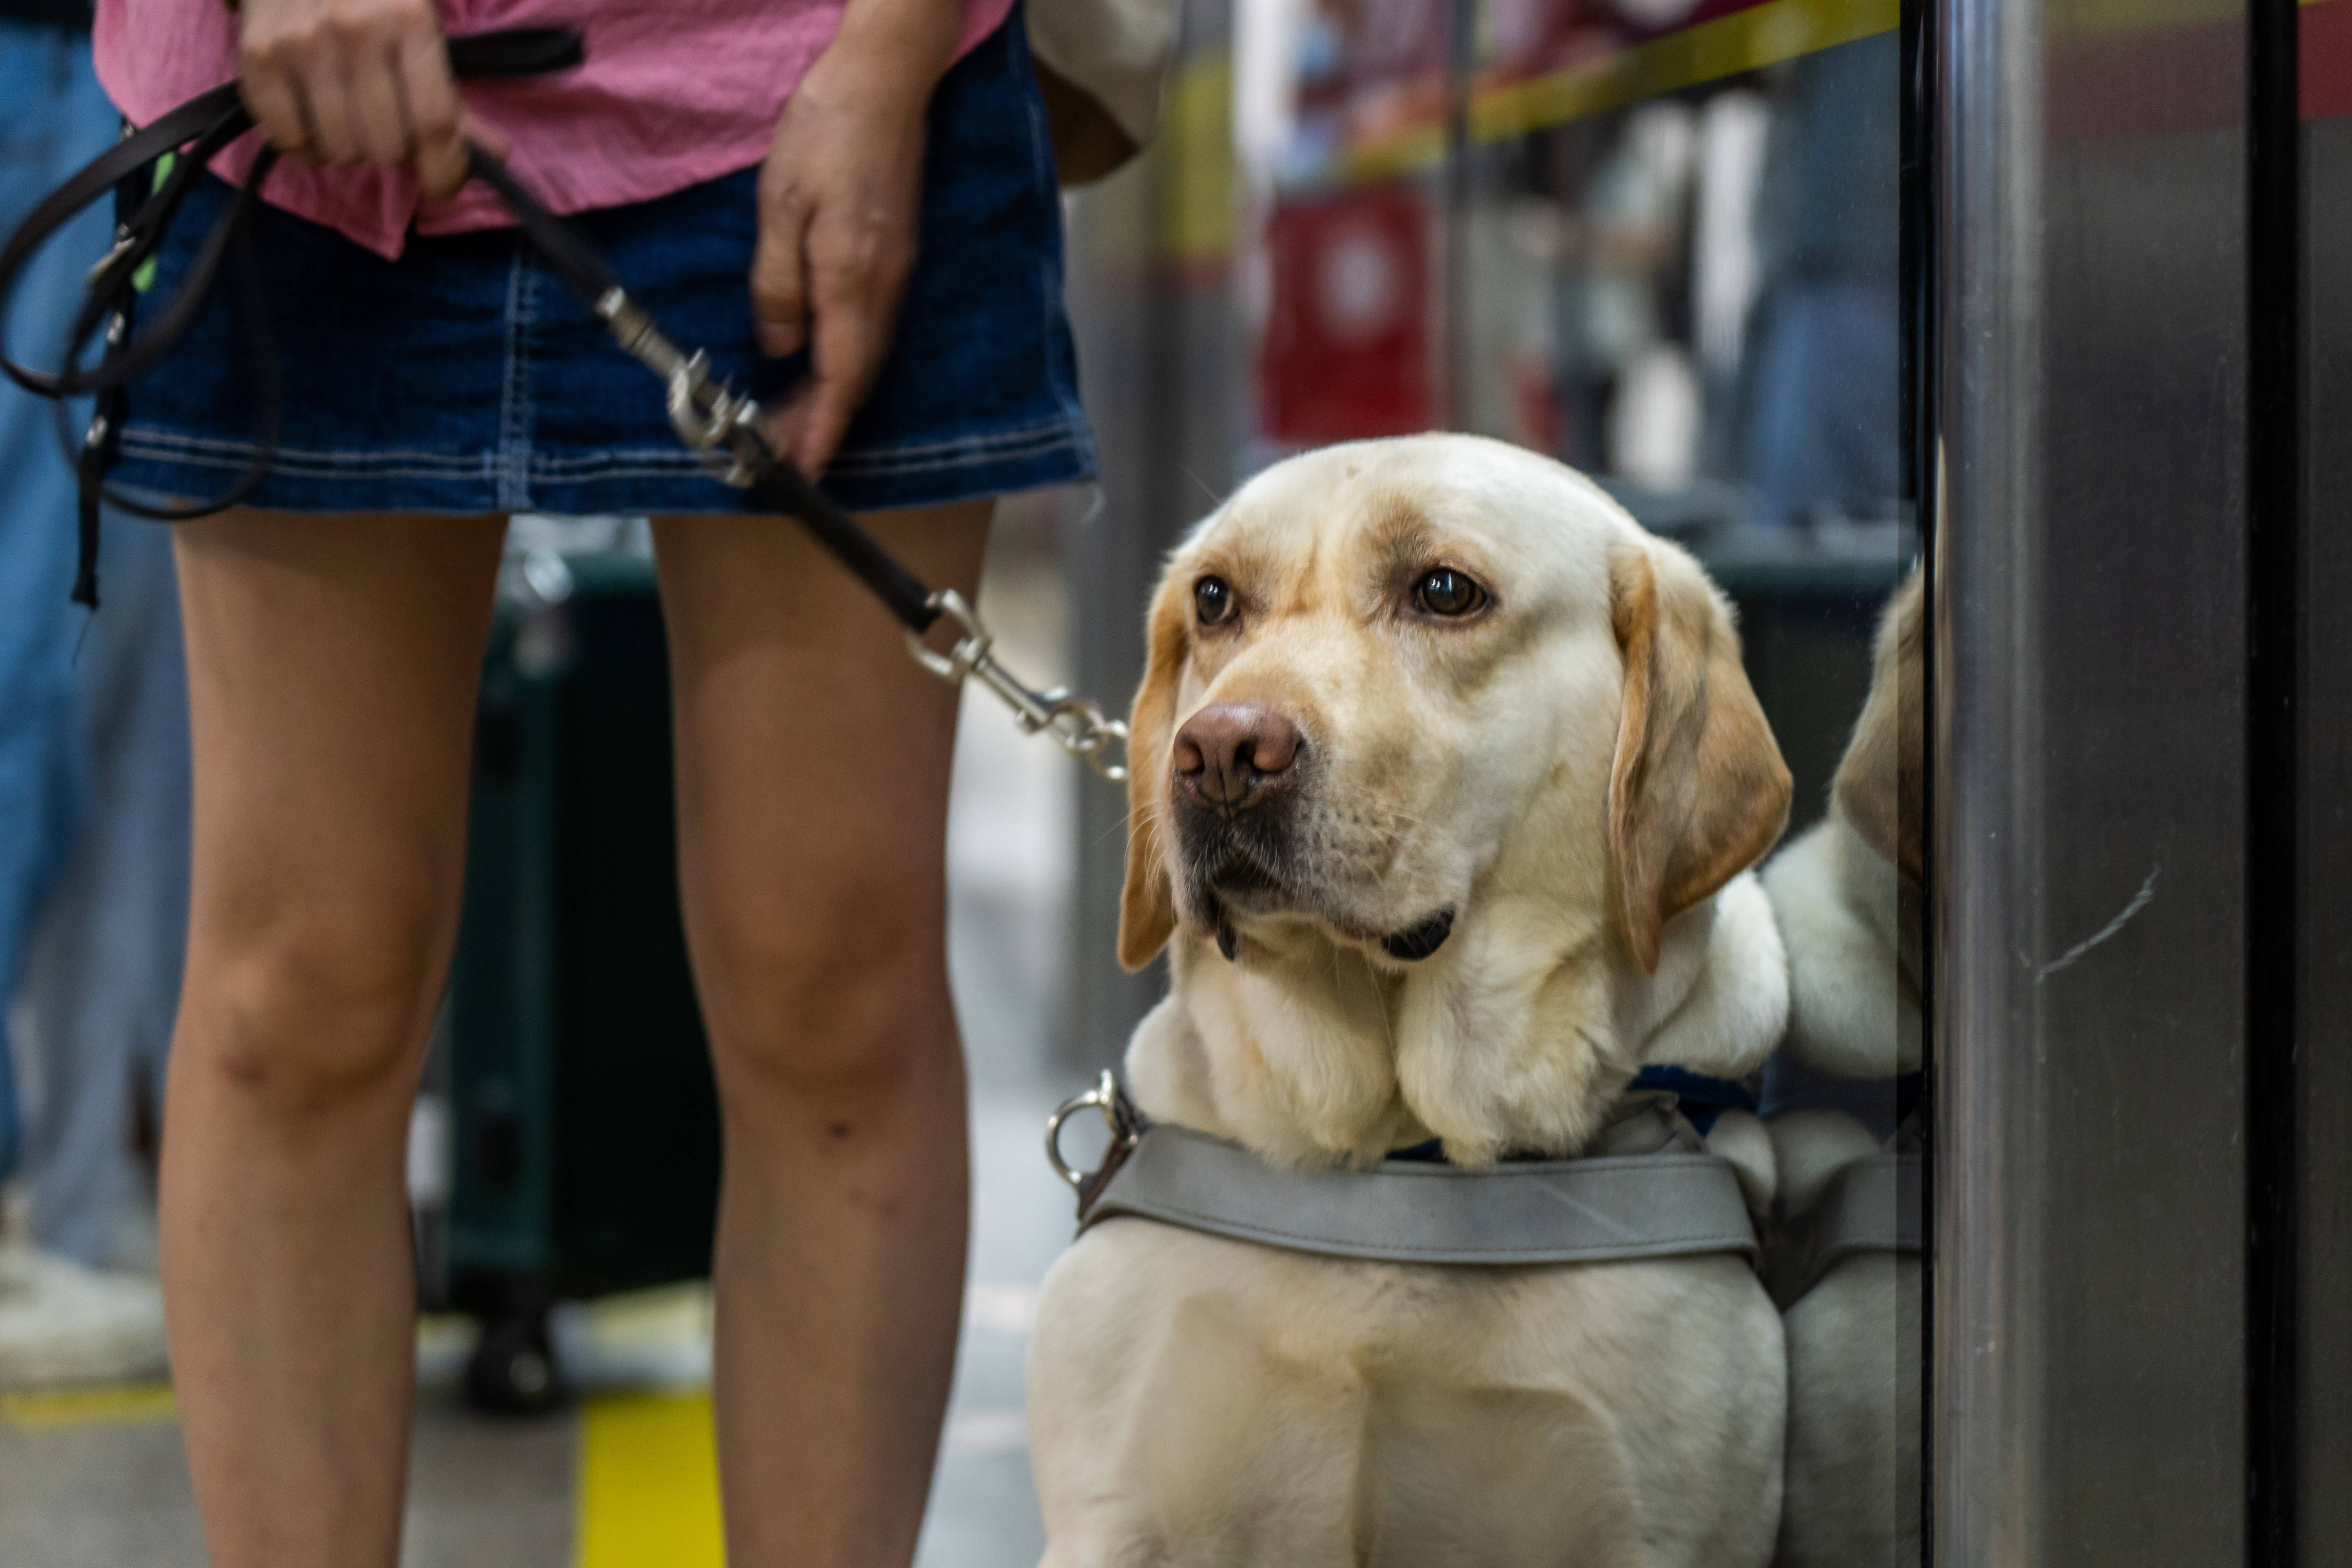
{"x":96,"y":1478}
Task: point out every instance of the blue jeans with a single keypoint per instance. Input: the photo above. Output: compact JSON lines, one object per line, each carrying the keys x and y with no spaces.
{"x":56,"y":120}
{"x":103,"y":980}
{"x":94,"y":824}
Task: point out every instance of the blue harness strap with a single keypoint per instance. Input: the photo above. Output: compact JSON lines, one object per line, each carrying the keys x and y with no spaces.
{"x":1700,"y":1097}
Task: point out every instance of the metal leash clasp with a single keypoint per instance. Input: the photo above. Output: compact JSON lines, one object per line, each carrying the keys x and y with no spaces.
{"x":1118,"y":1115}
{"x":705,"y":413}
{"x":1078,"y":723}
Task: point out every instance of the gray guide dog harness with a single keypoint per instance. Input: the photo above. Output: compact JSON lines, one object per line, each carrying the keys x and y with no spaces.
{"x":1649,"y":1191}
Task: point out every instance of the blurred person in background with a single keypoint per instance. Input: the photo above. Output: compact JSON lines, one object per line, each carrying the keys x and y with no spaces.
{"x":80,"y":742}
{"x":1822,"y":438}
{"x":852,"y":205}
{"x":101,"y":980}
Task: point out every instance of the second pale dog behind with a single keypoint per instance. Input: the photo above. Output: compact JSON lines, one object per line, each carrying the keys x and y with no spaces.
{"x":1446,"y":781}
{"x":1848,"y":896}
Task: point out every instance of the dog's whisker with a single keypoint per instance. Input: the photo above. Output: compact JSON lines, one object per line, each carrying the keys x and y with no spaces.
{"x":1151,"y":815}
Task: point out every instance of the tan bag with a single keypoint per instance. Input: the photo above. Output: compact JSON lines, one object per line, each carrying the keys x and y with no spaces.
{"x":1099,"y":66}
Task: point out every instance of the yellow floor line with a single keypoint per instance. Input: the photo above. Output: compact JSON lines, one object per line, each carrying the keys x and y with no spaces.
{"x":114,"y":1406}
{"x":649,"y":1488}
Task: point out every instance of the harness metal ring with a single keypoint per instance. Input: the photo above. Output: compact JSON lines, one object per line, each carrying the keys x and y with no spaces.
{"x":1104,"y":1095}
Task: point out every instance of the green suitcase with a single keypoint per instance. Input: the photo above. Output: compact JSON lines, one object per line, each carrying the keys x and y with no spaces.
{"x":586,"y":1136}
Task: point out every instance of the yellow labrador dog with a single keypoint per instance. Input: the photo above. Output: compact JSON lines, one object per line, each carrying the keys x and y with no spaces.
{"x":1446,"y":780}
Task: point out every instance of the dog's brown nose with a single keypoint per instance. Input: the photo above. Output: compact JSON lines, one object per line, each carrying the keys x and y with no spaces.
{"x":1229,"y":753}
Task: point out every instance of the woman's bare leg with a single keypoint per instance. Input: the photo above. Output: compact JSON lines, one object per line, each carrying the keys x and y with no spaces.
{"x":332,"y":663}
{"x":813,"y":772}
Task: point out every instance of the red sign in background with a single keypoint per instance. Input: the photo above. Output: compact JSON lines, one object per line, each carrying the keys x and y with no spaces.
{"x":2324,"y":57}
{"x":1346,"y":350}
{"x":2189,"y":76}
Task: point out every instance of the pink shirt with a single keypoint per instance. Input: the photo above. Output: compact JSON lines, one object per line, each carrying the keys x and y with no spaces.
{"x":674,"y":92}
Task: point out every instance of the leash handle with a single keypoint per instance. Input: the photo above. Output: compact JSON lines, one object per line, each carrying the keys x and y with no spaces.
{"x":204,"y":126}
{"x":192,"y":135}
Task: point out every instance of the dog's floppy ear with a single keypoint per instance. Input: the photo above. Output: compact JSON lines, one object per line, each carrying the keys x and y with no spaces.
{"x":1146,"y":905}
{"x":1881,"y":790}
{"x":1697,"y":791}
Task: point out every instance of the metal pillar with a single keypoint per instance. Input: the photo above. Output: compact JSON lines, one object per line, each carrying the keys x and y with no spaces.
{"x":2087,"y":1368}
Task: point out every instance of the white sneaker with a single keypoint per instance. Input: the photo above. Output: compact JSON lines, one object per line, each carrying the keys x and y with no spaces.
{"x":61,"y":1323}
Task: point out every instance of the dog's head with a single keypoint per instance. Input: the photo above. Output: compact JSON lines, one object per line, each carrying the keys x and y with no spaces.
{"x":1849,"y":894}
{"x":1440,"y":703}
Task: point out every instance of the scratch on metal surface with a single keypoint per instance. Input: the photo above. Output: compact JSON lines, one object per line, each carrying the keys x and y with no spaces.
{"x":2139,"y":900}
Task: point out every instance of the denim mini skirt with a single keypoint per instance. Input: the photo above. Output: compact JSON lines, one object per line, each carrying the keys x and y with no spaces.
{"x":463,"y":378}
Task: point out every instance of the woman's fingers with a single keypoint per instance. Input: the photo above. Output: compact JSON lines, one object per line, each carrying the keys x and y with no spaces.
{"x":372,"y":88}
{"x":838,"y":203}
{"x":266,"y":82}
{"x":779,"y":270}
{"x":291,"y":63}
{"x":856,"y":283}
{"x":274,"y":102}
{"x":351,"y":81}
{"x":841,"y":291}
{"x":334,"y":125}
{"x":437,"y":121}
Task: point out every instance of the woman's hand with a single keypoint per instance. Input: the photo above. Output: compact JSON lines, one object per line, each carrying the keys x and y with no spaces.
{"x":356,"y":81}
{"x":837,"y":211}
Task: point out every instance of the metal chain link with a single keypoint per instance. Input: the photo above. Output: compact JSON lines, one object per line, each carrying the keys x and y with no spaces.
{"x":1078,"y":723}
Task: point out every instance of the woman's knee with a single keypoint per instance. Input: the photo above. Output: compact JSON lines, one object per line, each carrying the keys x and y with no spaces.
{"x":323,"y":1002}
{"x":822,"y":994}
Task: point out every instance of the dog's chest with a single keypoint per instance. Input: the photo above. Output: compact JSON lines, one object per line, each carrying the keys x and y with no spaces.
{"x":1533,"y":1405}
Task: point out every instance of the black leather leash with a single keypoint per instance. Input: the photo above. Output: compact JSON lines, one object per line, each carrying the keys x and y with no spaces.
{"x":708,"y":416}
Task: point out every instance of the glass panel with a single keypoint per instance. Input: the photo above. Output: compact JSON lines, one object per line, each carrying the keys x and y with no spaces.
{"x":1695,"y":296}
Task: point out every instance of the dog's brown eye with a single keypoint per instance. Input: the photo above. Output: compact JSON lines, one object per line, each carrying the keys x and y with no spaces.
{"x":1213,"y":598}
{"x":1442,"y":590}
